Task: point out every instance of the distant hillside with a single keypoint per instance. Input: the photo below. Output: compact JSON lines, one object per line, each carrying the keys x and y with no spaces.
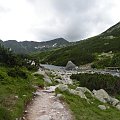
{"x":31,"y":46}
{"x":84,"y":52}
{"x":113,"y":31}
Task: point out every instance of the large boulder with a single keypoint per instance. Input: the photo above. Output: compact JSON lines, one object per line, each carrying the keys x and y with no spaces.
{"x":66,"y":80}
{"x":70,"y":66}
{"x":102,"y":95}
{"x":114,"y":101}
{"x":63,"y":87}
{"x":84,"y":90}
{"x":118,"y":106}
{"x":46,"y":79}
{"x":79,"y":93}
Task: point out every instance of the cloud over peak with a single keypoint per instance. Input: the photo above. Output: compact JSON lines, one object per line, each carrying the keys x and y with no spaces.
{"x":48,"y":19}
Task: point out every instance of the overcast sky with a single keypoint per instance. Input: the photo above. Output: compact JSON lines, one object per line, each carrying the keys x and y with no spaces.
{"x":40,"y":20}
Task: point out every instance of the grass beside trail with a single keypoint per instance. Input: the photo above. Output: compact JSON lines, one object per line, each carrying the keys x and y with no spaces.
{"x":16,"y":87}
{"x":82,"y":110}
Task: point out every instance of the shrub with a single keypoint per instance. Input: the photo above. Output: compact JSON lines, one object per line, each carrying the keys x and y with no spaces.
{"x":17,"y":72}
{"x":4,"y":114}
{"x":99,"y":81}
{"x":32,"y":67}
{"x":1,"y":77}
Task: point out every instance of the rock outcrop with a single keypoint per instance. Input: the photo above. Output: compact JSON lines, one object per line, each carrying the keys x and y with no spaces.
{"x":62,"y":87}
{"x":70,"y":66}
{"x":101,"y":95}
{"x":102,"y":107}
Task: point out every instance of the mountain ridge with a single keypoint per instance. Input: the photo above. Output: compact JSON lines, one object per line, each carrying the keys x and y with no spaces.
{"x":85,"y":51}
{"x":112,"y":31}
{"x":32,"y":46}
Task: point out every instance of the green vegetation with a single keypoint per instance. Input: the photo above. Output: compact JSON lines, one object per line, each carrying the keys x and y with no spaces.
{"x":82,"y":110}
{"x":38,"y":80}
{"x":107,"y":61}
{"x":113,"y":31}
{"x":42,"y":55}
{"x":16,"y":83}
{"x":15,"y":91}
{"x":27,"y":47}
{"x":98,"y":81}
{"x":84,"y":52}
{"x":9,"y":59}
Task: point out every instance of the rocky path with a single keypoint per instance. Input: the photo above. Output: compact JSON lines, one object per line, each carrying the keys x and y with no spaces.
{"x":46,"y":106}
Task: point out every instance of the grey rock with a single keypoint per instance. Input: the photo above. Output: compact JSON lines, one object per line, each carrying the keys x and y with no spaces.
{"x":47,"y":80}
{"x":84,"y":90}
{"x":114,"y":101}
{"x":79,"y":93}
{"x":16,"y":97}
{"x":118,"y":106}
{"x":44,"y":117}
{"x":59,"y":95}
{"x":48,"y":72}
{"x":57,"y":105}
{"x":67,"y":80}
{"x":58,"y":80}
{"x":50,"y":89}
{"x":70,"y":66}
{"x":36,"y":93}
{"x":101,"y":95}
{"x":62,"y":87}
{"x":102,"y":107}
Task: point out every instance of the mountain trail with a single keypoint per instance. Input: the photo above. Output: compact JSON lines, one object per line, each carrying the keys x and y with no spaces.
{"x":46,"y":106}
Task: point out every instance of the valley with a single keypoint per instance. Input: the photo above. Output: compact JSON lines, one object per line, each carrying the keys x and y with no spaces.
{"x":61,"y":80}
{"x":82,"y":102}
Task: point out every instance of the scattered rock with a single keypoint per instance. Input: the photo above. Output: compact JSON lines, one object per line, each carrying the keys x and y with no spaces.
{"x":47,"y":80}
{"x":23,"y":118}
{"x":50,"y":89}
{"x":34,"y":86}
{"x":118,"y":106}
{"x":62,"y":87}
{"x":58,"y":80}
{"x":102,"y":107}
{"x":59,"y":95}
{"x":16,"y":97}
{"x":114,"y":101}
{"x":44,"y":117}
{"x":80,"y":93}
{"x":48,"y":72}
{"x":84,"y":90}
{"x":101,"y":95}
{"x":26,"y":111}
{"x":36,"y":93}
{"x":57,"y":105}
{"x":67,"y":80}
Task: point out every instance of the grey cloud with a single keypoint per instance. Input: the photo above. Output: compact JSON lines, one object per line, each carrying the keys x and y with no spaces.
{"x":3,"y":9}
{"x":79,"y":18}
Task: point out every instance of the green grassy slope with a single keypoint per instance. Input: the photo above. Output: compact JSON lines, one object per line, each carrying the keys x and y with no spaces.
{"x":113,"y":31}
{"x":88,"y":109}
{"x":85,"y":111}
{"x":15,"y":92}
{"x":84,"y":51}
{"x":16,"y":83}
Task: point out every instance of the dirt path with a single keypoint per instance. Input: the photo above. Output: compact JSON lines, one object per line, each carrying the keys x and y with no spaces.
{"x":47,"y":107}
